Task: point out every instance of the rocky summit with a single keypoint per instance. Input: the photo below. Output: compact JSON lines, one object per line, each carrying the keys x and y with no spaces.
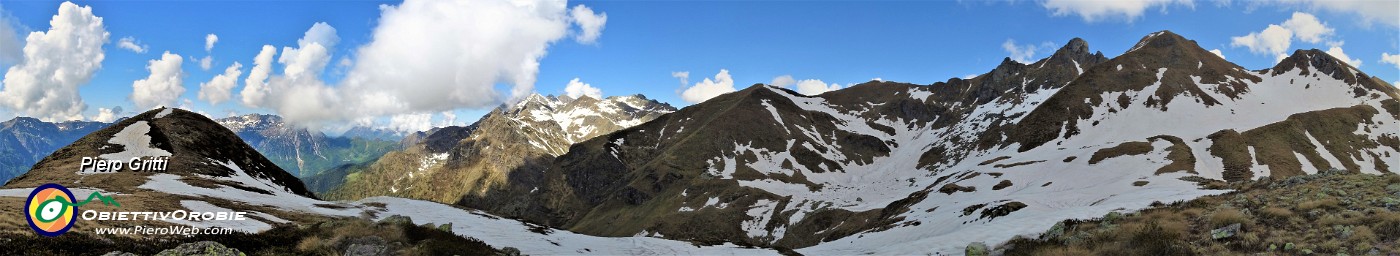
{"x":499,"y":154}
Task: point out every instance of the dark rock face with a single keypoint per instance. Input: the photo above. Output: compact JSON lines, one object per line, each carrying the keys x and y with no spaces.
{"x":444,"y":139}
{"x":367,"y":246}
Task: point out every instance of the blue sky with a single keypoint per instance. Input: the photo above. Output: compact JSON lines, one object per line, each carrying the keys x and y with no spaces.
{"x":641,"y":44}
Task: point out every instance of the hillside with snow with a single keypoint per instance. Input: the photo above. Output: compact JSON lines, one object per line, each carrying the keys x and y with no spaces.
{"x":452,"y":163}
{"x":876,"y":168}
{"x":212,"y":171}
{"x":891,"y":168}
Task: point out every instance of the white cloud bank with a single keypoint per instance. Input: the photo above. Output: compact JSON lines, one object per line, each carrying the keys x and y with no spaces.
{"x":56,"y":62}
{"x":805,"y":86}
{"x":220,"y":88}
{"x":1335,"y":49}
{"x":577,"y":88}
{"x":255,"y":88}
{"x":1217,"y":52}
{"x":1277,"y":39}
{"x":704,"y":90}
{"x":130,"y":44}
{"x":209,"y":41}
{"x":1366,"y":11}
{"x":590,"y":24}
{"x":814,"y":87}
{"x":423,"y":57}
{"x":783,"y":81}
{"x":107,"y":115}
{"x":1101,"y":10}
{"x":1393,"y":59}
{"x":1024,"y":54}
{"x":164,"y":86}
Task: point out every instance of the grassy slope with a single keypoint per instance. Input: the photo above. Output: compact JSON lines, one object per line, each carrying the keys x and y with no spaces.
{"x":1328,"y":213}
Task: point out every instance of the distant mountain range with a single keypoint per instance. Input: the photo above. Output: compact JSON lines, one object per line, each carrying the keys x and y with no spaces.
{"x":304,"y":152}
{"x":24,"y":141}
{"x":451,"y":163}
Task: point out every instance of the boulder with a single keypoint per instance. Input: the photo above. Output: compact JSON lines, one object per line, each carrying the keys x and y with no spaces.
{"x":1229,"y":231}
{"x":203,"y":248}
{"x":977,"y":249}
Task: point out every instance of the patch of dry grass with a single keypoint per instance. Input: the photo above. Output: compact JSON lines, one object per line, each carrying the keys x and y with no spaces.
{"x":1126,"y":148}
{"x":1229,"y":215}
{"x":1330,"y":213}
{"x":1326,"y":203}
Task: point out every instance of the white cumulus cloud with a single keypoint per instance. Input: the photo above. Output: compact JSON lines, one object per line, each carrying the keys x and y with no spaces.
{"x":814,"y":87}
{"x":209,"y":41}
{"x":56,"y":62}
{"x":1308,"y":28}
{"x":1276,"y":39}
{"x":590,"y":24}
{"x":1024,"y":53}
{"x":704,"y":90}
{"x":783,"y":81}
{"x":1366,"y":11}
{"x":805,"y":86}
{"x":132,"y":45}
{"x":1335,"y":49}
{"x":684,"y":76}
{"x":1393,"y":59}
{"x":577,"y":88}
{"x":164,"y":86}
{"x":423,"y":57}
{"x":255,"y":87}
{"x":107,"y":115}
{"x":220,"y":88}
{"x":1101,"y":10}
{"x":1217,"y":52}
{"x":312,"y":53}
{"x":411,"y":122}
{"x":206,"y":63}
{"x":449,"y":118}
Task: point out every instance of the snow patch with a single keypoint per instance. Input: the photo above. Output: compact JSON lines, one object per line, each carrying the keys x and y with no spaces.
{"x":135,"y":142}
{"x":503,"y":232}
{"x":165,"y":112}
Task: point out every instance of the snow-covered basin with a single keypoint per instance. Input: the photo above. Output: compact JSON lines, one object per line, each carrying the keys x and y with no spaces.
{"x":502,"y":232}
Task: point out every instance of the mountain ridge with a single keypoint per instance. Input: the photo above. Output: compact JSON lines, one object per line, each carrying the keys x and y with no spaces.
{"x":450,"y":163}
{"x":880,"y":158}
